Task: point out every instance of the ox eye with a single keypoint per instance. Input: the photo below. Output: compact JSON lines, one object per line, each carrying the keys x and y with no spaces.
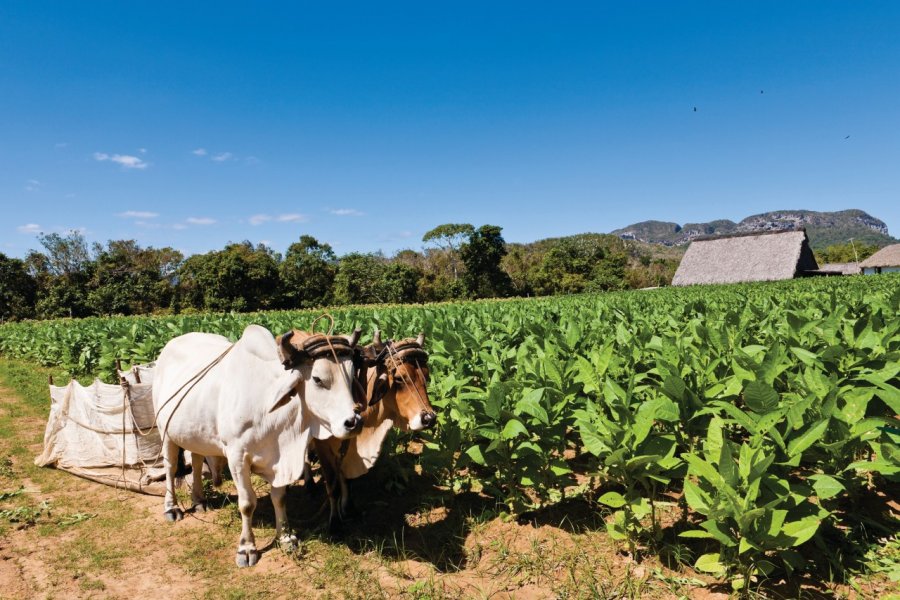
{"x":318,"y":380}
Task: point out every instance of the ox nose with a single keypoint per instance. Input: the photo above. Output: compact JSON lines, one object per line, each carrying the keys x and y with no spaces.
{"x":353,"y":423}
{"x":428,"y":418}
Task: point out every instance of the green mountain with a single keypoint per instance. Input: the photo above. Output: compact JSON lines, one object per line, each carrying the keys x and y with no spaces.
{"x":823,"y":228}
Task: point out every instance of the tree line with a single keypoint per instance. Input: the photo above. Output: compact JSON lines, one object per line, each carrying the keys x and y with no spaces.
{"x":69,"y":278}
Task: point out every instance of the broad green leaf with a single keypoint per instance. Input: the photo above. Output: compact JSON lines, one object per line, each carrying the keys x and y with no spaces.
{"x":710,"y":563}
{"x":806,"y":439}
{"x":826,"y":487}
{"x":760,"y":397}
{"x":513,"y":429}
{"x":474,"y":452}
{"x":801,"y":530}
{"x":613,"y":500}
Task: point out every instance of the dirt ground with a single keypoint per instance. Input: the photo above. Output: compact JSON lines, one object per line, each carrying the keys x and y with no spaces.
{"x":80,"y":539}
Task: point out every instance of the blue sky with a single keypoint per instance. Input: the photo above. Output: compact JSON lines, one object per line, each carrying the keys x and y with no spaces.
{"x":366,"y":124}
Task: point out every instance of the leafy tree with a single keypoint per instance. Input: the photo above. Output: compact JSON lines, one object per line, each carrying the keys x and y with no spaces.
{"x":400,"y":283}
{"x":368,"y":278}
{"x":358,"y":278}
{"x":18,"y":290}
{"x":307,"y":273}
{"x":450,"y":237}
{"x":239,"y":277}
{"x":131,"y":280}
{"x":845,"y":253}
{"x":482,"y":255}
{"x":62,"y":275}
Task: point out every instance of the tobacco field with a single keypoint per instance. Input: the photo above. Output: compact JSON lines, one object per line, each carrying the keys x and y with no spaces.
{"x":754,"y":428}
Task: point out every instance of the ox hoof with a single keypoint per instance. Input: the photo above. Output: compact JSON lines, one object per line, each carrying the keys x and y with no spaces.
{"x":199,"y":507}
{"x":174,"y":514}
{"x":246,"y":558}
{"x":288,"y":542}
{"x":336,"y":528}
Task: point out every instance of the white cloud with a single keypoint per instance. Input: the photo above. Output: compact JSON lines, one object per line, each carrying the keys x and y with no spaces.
{"x":199,"y":152}
{"x":200,"y":220}
{"x":179,"y":226}
{"x":223,"y":157}
{"x":33,"y":185}
{"x":29,"y":228}
{"x":259,"y":219}
{"x":292,"y":218}
{"x":347,"y":212}
{"x":138,"y":214}
{"x":125,"y":160}
{"x":142,"y":150}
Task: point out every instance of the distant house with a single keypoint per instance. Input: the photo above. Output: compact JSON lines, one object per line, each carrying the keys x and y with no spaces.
{"x":886,"y":260}
{"x":768,"y":256}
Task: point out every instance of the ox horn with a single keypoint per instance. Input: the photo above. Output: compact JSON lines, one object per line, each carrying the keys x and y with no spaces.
{"x":421,"y":339}
{"x":376,"y":339}
{"x":355,"y":337}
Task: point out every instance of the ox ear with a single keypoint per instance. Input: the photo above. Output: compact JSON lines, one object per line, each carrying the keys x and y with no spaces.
{"x":286,"y":352}
{"x":283,"y":389}
{"x":421,"y":339}
{"x":380,"y":389}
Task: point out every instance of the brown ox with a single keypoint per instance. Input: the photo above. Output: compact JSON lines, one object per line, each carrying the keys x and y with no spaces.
{"x":396,"y":382}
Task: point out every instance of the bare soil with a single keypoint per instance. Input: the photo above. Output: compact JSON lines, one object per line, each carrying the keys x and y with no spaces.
{"x":419,"y":542}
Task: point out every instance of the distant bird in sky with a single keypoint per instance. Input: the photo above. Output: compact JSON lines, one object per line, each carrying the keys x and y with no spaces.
{"x":695,"y":109}
{"x":847,"y":138}
{"x":760,"y":91}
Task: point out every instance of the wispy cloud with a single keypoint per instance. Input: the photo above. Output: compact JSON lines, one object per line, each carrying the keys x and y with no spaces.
{"x":61,"y":145}
{"x":138,"y":214}
{"x":179,"y":226}
{"x":292,"y":218}
{"x":285,"y":218}
{"x":142,"y":150}
{"x":200,"y":221}
{"x":251,"y":160}
{"x":347,"y":212}
{"x":33,"y":185}
{"x":223,"y":157}
{"x":199,"y":152}
{"x":125,"y":160}
{"x":29,"y":228}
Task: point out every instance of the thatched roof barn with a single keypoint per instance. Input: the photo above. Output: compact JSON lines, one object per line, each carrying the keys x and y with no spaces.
{"x":886,"y":260}
{"x":767,"y":256}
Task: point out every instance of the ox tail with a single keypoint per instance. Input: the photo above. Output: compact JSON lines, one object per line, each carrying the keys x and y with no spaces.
{"x":181,"y":470}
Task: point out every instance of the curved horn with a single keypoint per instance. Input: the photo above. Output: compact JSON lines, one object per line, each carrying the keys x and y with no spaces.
{"x":355,"y":337}
{"x":421,"y":339}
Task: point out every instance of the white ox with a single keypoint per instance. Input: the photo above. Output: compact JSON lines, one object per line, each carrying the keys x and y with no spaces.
{"x":258,"y":405}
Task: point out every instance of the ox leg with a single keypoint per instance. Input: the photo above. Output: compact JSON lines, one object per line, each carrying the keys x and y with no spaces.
{"x":286,"y":539}
{"x":331,"y":477}
{"x":170,"y":461}
{"x":198,"y":498}
{"x":247,"y":554}
{"x":345,"y":495}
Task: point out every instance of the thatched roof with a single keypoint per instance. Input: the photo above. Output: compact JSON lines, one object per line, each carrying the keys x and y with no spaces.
{"x":889,"y":256}
{"x":766,"y":256}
